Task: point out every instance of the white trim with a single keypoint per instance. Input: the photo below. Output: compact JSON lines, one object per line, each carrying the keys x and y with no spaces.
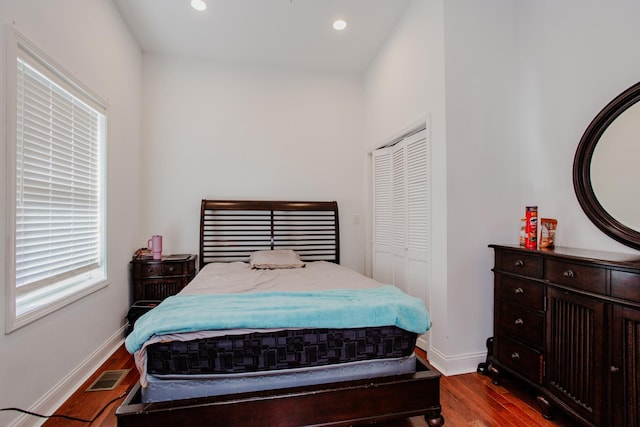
{"x":59,"y":394}
{"x":455,"y":365}
{"x":10,"y":183}
{"x":423,"y":342}
{"x":412,"y":127}
{"x":16,"y":43}
{"x":54,"y":71}
{"x":15,"y":323}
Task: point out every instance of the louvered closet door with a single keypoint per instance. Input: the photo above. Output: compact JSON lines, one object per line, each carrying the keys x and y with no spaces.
{"x":382,"y":253}
{"x":401,"y":212}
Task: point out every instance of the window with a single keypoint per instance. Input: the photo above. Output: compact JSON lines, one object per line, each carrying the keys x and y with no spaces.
{"x":56,"y":190}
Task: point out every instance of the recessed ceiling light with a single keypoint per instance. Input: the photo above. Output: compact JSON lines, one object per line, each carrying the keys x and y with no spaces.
{"x":339,"y":24}
{"x":199,"y":5}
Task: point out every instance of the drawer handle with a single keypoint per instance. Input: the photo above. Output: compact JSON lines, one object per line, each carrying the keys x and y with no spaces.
{"x":519,"y":322}
{"x":150,"y":270}
{"x":171,"y":269}
{"x":515,"y":356}
{"x":519,"y":263}
{"x":518,"y":291}
{"x":614,"y":369}
{"x":569,"y":273}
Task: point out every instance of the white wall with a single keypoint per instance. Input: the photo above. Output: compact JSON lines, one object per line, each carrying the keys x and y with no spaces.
{"x":43,"y":360}
{"x":403,"y":86}
{"x":236,"y":132}
{"x":508,"y":88}
{"x":572,"y":64}
{"x":521,"y":83}
{"x":483,"y":193}
{"x":455,"y":63}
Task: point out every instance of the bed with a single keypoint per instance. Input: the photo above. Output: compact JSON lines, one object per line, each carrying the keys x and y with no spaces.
{"x":318,"y":370}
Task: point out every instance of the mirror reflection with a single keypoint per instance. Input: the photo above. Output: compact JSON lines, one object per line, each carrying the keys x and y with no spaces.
{"x":614,"y":168}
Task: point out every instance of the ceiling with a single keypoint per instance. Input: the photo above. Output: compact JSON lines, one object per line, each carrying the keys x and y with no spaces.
{"x":282,"y":33}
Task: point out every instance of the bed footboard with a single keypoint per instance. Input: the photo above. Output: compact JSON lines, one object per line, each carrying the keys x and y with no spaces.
{"x":337,"y":404}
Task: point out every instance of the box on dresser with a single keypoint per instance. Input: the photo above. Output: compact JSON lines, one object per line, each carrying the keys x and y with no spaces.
{"x":567,"y":322}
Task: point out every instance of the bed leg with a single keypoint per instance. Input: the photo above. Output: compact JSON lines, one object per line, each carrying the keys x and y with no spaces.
{"x":434,"y":419}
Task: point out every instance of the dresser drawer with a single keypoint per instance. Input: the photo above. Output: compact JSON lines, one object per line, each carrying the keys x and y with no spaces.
{"x":523,"y":325}
{"x":625,"y":285}
{"x":523,"y":360}
{"x":512,"y":290}
{"x":520,"y":263}
{"x":591,"y":279}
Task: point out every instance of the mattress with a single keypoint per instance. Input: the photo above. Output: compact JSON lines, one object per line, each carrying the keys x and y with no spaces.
{"x":175,"y":387}
{"x":210,"y":362}
{"x":285,"y":349}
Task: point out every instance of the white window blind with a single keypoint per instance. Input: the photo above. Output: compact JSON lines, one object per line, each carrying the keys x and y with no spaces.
{"x":59,"y":186}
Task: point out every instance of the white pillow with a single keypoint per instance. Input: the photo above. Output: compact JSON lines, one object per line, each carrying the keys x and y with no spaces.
{"x":277,"y":258}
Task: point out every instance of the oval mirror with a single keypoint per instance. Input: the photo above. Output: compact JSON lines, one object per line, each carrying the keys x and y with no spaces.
{"x":605,"y":170}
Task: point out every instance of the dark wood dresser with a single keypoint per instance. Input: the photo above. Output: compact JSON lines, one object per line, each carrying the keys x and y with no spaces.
{"x":567,"y":322}
{"x":157,"y":279}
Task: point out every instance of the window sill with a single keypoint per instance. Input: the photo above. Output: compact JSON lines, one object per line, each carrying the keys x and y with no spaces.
{"x":30,"y":308}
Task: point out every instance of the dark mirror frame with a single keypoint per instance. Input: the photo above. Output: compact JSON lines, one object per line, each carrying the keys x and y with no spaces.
{"x":582,"y":170}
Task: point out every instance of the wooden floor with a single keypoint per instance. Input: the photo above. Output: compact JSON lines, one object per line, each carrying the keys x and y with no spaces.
{"x":467,"y":400}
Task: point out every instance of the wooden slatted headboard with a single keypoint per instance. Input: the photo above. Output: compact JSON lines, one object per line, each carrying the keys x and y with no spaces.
{"x":230,"y":230}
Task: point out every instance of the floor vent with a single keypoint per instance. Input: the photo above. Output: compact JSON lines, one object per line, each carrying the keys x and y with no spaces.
{"x":108,"y":380}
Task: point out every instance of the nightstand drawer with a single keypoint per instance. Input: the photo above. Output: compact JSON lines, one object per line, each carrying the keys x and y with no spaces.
{"x":174,"y":268}
{"x":519,"y":263}
{"x":577,"y":276}
{"x":147,"y":270}
{"x":518,"y":291}
{"x":523,"y":325}
{"x":523,"y":360}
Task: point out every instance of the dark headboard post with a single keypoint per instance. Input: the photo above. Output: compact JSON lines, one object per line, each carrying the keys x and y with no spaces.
{"x":273,"y":231}
{"x":230,"y":230}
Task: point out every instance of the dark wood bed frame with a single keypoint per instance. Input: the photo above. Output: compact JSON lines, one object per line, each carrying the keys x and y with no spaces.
{"x":230,"y":231}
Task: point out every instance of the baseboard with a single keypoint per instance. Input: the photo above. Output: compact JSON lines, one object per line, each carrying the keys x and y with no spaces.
{"x":59,"y":394}
{"x":423,"y":342}
{"x":455,"y":365}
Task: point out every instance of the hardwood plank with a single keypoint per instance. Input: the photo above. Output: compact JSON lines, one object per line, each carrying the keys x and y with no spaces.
{"x":467,"y":400}
{"x":87,"y":404}
{"x":482,"y":410}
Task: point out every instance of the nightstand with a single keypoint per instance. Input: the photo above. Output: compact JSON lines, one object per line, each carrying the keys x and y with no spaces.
{"x":156,"y":279}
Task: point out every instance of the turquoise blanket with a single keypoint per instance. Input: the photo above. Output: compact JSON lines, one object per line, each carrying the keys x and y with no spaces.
{"x":340,"y":308}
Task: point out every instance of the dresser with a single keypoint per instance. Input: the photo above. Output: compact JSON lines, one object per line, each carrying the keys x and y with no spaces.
{"x":157,"y":279}
{"x":567,"y":323}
